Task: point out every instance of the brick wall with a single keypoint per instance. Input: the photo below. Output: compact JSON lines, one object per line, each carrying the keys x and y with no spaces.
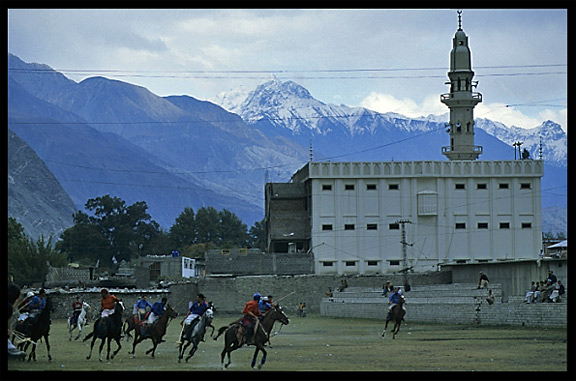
{"x":452,"y":303}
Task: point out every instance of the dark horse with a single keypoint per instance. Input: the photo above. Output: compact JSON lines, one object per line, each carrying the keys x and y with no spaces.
{"x":193,"y":334}
{"x":234,"y":338}
{"x":397,"y":317}
{"x":156,"y":332}
{"x":39,"y":328}
{"x":107,"y":329}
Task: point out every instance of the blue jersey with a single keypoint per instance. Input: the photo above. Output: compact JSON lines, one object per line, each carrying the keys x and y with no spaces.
{"x":142,"y":304}
{"x":394,"y":298}
{"x":158,"y":308}
{"x":198,"y":308}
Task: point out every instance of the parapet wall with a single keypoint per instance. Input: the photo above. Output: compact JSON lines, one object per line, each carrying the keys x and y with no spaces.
{"x":457,"y":303}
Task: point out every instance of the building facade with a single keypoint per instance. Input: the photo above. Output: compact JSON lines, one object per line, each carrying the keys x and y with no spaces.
{"x":453,"y":212}
{"x":383,"y":217}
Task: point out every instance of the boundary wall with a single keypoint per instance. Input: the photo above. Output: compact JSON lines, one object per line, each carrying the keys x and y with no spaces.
{"x":456,"y":303}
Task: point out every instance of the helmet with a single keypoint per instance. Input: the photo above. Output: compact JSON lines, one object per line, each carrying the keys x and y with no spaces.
{"x":257,"y":296}
{"x":30,"y":294}
{"x":265,"y":298}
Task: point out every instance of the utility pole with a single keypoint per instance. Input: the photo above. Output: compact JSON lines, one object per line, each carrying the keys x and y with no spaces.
{"x":402,"y":223}
{"x":517,"y":144}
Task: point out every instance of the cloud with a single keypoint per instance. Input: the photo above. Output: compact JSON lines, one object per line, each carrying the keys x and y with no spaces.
{"x":388,"y":103}
{"x":500,"y":112}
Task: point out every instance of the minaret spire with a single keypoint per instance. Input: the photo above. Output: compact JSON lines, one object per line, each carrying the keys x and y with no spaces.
{"x":461,"y":100}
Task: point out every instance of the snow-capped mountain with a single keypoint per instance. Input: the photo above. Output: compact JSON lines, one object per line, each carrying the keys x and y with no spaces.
{"x":554,"y":139}
{"x":287,"y":108}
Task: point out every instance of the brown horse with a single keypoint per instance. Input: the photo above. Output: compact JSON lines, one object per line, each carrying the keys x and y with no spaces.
{"x":397,"y":317}
{"x":235,"y":338}
{"x":156,"y":332}
{"x":107,"y":329}
{"x":40,"y":328}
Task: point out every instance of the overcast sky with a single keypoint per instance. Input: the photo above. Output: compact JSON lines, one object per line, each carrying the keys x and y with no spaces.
{"x":386,"y":60}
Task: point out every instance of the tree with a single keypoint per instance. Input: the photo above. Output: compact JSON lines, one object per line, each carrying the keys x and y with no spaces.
{"x":114,"y":231}
{"x":183,"y":232}
{"x":257,"y":235}
{"x":28,"y":261}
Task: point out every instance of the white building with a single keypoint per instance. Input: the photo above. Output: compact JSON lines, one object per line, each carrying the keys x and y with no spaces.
{"x":350,"y":215}
{"x":459,"y":211}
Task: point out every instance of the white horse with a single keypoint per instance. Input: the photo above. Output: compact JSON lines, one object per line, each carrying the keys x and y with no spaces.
{"x":80,"y":323}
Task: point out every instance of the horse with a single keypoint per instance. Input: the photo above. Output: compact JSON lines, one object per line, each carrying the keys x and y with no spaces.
{"x":107,"y":329}
{"x":234,"y":338}
{"x":194,"y":334}
{"x":397,"y":317}
{"x":39,"y":328}
{"x":155,"y":332}
{"x":129,"y":326}
{"x":80,"y":322}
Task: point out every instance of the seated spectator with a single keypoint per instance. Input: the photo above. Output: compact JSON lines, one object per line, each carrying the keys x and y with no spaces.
{"x":561,"y":291}
{"x":530,"y":294}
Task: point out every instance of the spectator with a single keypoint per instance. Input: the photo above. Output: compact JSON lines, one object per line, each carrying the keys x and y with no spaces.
{"x":551,"y":277}
{"x":490,"y":297}
{"x":530,"y":294}
{"x":483,"y":281}
{"x":343,"y":285}
{"x":561,"y":291}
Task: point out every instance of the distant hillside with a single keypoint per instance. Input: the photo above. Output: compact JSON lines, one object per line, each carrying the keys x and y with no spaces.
{"x":35,"y":197}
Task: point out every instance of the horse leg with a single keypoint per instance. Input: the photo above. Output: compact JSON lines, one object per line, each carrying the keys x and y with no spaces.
{"x":255,"y":357}
{"x":100,"y":350}
{"x":264,"y":354}
{"x":48,"y":347}
{"x":182,"y":348}
{"x":192,"y":351}
{"x":153,"y":349}
{"x":91,"y":347}
{"x":117,"y":339}
{"x":385,"y":327}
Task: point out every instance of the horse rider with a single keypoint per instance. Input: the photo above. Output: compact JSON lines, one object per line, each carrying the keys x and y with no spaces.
{"x":108,"y":302}
{"x":265,"y":304}
{"x":251,"y":317}
{"x":141,"y":308}
{"x":76,"y":310}
{"x":195,"y":311}
{"x":393,"y":301}
{"x":157,"y":311}
{"x":23,"y":307}
{"x":35,"y":306}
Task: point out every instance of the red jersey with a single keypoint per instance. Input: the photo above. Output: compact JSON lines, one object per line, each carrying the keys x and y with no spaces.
{"x":251,"y":306}
{"x":77,"y":306}
{"x":109,"y":302}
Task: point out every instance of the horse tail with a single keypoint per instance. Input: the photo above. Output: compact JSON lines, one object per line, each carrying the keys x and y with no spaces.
{"x":221,"y":330}
{"x":88,"y":336}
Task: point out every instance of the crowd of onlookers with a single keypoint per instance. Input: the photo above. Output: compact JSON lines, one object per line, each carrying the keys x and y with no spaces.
{"x":549,"y":290}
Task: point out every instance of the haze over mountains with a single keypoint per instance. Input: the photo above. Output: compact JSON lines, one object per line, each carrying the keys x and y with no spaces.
{"x":102,"y":136}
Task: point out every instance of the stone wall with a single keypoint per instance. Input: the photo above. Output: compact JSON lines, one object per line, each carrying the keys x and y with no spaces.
{"x":457,"y":303}
{"x":254,"y":262}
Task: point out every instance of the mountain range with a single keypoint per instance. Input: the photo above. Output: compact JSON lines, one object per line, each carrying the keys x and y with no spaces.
{"x":102,"y":136}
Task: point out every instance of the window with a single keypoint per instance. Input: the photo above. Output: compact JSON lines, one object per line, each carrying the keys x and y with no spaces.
{"x":503,"y":186}
{"x":348,"y":186}
{"x":372,"y":227}
{"x":350,"y":263}
{"x":349,"y":227}
{"x":394,"y":263}
{"x":460,"y":225}
{"x":371,"y":187}
{"x":460,"y":186}
{"x":372,"y":263}
{"x":327,"y":227}
{"x":393,"y":187}
{"x":482,"y":225}
{"x":327,"y":264}
{"x":326,"y":187}
{"x":394,"y":226}
{"x":525,"y":186}
{"x":504,"y":225}
{"x":526,"y":225}
{"x":481,"y":186}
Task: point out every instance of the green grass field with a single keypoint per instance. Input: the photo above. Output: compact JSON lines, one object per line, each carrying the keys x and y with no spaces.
{"x":317,"y":343}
